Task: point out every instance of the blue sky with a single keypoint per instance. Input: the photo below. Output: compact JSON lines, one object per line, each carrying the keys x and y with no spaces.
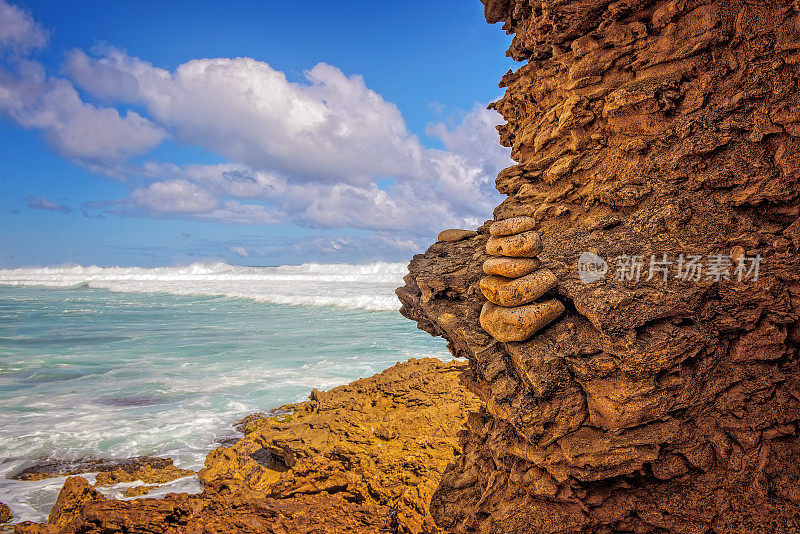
{"x":257,"y":133}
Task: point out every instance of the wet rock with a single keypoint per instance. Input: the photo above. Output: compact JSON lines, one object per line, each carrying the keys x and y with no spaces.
{"x":52,"y":468}
{"x":137,"y":491}
{"x":5,"y":513}
{"x":510,"y":267}
{"x":451,"y":236}
{"x":524,"y":245}
{"x":365,"y":457}
{"x":75,"y":494}
{"x":520,"y":323}
{"x":518,"y":291}
{"x":148,"y":473}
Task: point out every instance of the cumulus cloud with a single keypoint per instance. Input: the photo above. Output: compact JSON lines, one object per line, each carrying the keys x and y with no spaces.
{"x":88,"y":134}
{"x":80,"y":131}
{"x":475,"y":135}
{"x":325,"y":151}
{"x":265,"y":198}
{"x":329,"y":127}
{"x":94,"y":136}
{"x":19,"y":32}
{"x":43,"y":203}
{"x":175,"y":196}
{"x":316,"y":147}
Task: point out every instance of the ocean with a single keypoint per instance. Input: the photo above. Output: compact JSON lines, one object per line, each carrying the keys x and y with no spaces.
{"x":122,"y":362}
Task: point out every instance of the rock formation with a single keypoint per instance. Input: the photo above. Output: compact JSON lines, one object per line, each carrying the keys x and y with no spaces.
{"x":455,"y":234}
{"x":5,"y":513}
{"x":109,"y":471}
{"x":365,"y":457}
{"x":509,"y":314}
{"x":146,"y":473}
{"x":658,"y":153}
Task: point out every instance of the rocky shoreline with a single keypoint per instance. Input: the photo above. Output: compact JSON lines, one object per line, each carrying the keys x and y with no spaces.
{"x":363,"y":457}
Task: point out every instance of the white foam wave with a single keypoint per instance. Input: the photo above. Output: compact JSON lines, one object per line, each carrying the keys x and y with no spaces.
{"x":368,"y":286}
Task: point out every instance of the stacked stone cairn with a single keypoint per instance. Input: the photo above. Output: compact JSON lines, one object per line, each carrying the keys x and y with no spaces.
{"x":514,"y":282}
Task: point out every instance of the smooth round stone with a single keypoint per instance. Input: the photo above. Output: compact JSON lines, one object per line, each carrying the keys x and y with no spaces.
{"x":520,"y":323}
{"x":524,"y":245}
{"x":454,"y":235}
{"x":514,"y":225}
{"x":510,"y":267}
{"x":517,"y":291}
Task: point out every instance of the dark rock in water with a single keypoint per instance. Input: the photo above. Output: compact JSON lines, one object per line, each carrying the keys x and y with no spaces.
{"x":151,"y":473}
{"x":5,"y":513}
{"x":227,"y":441}
{"x":51,"y":468}
{"x":658,"y":151}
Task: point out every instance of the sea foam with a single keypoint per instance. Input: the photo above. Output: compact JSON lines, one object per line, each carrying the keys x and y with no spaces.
{"x":367,"y":286}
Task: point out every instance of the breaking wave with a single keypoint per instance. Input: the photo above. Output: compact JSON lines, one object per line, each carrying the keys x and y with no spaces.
{"x":367,"y":286}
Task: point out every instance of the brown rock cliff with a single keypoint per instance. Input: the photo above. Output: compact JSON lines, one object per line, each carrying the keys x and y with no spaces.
{"x":642,"y":130}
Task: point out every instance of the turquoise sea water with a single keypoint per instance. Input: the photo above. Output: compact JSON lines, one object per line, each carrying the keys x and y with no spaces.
{"x":93,"y":372}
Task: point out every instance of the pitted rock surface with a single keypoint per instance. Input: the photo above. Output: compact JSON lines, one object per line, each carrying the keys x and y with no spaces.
{"x":640,"y":129}
{"x":360,"y":458}
{"x":512,"y":226}
{"x":524,"y":245}
{"x":520,"y":322}
{"x":517,"y":291}
{"x":510,"y":267}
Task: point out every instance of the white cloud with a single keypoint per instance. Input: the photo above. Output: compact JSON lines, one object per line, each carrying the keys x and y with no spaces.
{"x":330,"y":132}
{"x":233,"y":212}
{"x":239,"y":251}
{"x":412,"y":206}
{"x":44,"y":203}
{"x":317,"y":152}
{"x":80,"y":131}
{"x":18,"y":31}
{"x":330,"y":127}
{"x":174,"y":196}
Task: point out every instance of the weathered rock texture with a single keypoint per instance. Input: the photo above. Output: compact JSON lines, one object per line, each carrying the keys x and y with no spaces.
{"x":365,"y":457}
{"x":640,"y":128}
{"x":109,"y":471}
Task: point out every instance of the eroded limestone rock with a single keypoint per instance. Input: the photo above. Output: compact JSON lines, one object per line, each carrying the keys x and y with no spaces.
{"x":516,"y":292}
{"x":138,"y":490}
{"x":451,"y":236}
{"x":51,"y":468}
{"x":146,"y":473}
{"x":512,"y":226}
{"x":364,"y":457}
{"x":524,"y":245}
{"x":510,"y":267}
{"x":518,"y":323}
{"x":654,"y":404}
